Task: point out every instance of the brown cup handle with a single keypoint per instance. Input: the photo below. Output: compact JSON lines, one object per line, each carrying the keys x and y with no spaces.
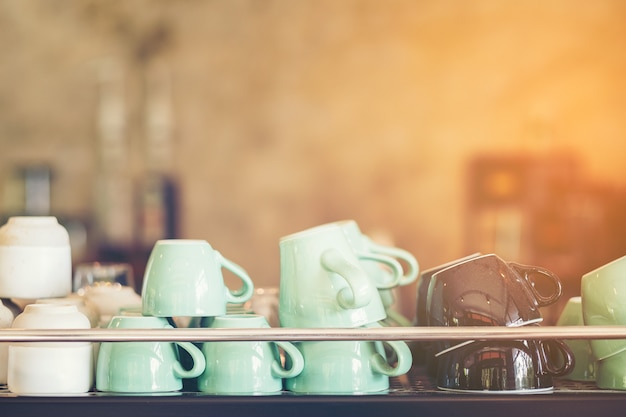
{"x":567,"y":355}
{"x":542,"y":299}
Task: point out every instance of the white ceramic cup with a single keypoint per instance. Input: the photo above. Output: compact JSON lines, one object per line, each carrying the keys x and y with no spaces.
{"x":109,"y":298}
{"x":35,"y":258}
{"x":50,"y":367}
{"x":89,"y":309}
{"x":6,"y":320}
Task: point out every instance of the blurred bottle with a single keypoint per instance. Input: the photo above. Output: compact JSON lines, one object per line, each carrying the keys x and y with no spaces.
{"x":158,"y":188}
{"x":114,"y":203}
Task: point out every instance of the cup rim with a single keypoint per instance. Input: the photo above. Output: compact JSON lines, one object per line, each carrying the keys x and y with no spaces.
{"x":606,"y":265}
{"x":25,"y":220}
{"x":181,"y":241}
{"x":311,"y":231}
{"x":468,"y":342}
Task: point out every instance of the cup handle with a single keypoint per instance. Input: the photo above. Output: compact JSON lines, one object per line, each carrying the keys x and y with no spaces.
{"x":295,"y":359}
{"x":402,"y":352}
{"x":412,"y":270}
{"x":358,"y":293}
{"x":396,"y":268}
{"x":245,"y":292}
{"x":567,"y":355}
{"x":199,"y":362}
{"x":526,"y":271}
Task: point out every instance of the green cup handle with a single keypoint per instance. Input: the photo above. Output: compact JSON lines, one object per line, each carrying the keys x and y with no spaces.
{"x":396,"y":268}
{"x":199,"y":362}
{"x":245,"y":292}
{"x":295,"y":359}
{"x":412,"y":270}
{"x":403,"y":353}
{"x":358,"y":292}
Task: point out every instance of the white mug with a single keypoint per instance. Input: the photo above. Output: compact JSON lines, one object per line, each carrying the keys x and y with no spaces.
{"x":50,"y":367}
{"x":35,"y":258}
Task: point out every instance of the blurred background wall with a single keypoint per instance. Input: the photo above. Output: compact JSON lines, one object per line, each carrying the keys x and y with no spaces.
{"x":446,"y":127}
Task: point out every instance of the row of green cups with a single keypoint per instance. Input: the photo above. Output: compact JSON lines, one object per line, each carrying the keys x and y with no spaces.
{"x":244,"y":367}
{"x":220,"y":367}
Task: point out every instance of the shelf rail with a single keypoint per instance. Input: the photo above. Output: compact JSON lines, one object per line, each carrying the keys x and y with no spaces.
{"x":424,"y":334}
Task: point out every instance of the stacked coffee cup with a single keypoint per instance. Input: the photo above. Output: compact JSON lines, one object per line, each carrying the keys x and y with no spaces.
{"x":183,"y":278}
{"x":35,"y":264}
{"x":487,"y":291}
{"x":603,"y":297}
{"x":324,"y":284}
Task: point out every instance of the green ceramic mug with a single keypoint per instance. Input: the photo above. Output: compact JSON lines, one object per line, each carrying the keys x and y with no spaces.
{"x":247,"y":367}
{"x":349,"y":367}
{"x":585,"y":364}
{"x":322,"y":283}
{"x":383,"y":264}
{"x":183,"y":278}
{"x":144,"y":367}
{"x":611,"y":372}
{"x":603,"y":293}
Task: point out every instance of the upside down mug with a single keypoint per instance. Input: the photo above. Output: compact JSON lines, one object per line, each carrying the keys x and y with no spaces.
{"x":350,"y":366}
{"x":50,"y":367}
{"x":322,"y":282}
{"x":512,"y":366}
{"x":247,"y":367}
{"x":144,"y":367}
{"x":384,"y":265}
{"x":487,"y":291}
{"x":585,"y":366}
{"x":603,"y":296}
{"x":35,"y":258}
{"x":380,"y":262}
{"x":184,"y":277}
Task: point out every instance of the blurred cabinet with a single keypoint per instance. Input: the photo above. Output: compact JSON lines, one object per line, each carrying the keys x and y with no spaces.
{"x":542,"y":210}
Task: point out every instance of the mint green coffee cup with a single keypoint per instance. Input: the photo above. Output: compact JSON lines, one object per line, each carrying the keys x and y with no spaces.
{"x":144,"y":367}
{"x":585,"y":364}
{"x":322,"y":282}
{"x":603,"y":294}
{"x":382,"y":263}
{"x":246,"y":367}
{"x":349,"y":367}
{"x":611,"y":372}
{"x":384,"y":266}
{"x":183,"y":278}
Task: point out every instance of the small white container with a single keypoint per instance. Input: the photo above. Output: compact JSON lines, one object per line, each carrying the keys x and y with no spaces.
{"x":6,"y":320}
{"x":110,"y":298}
{"x":35,"y":258}
{"x":50,"y":367}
